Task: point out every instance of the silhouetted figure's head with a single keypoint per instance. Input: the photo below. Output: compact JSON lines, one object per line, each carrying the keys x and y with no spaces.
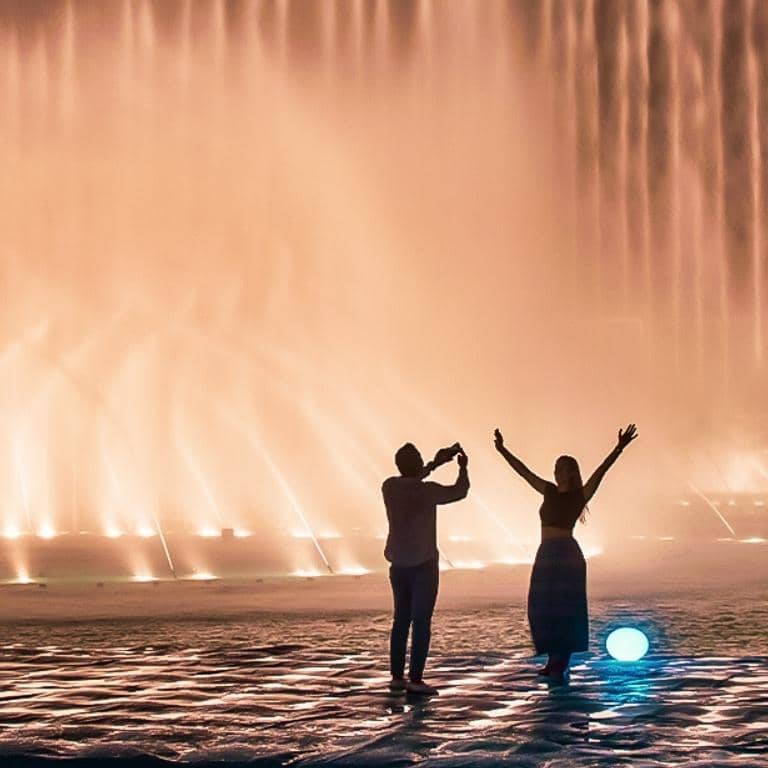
{"x":409,"y":461}
{"x":567,"y":474}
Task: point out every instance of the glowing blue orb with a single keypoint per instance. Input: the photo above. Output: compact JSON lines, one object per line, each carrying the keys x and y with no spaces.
{"x":627,"y":644}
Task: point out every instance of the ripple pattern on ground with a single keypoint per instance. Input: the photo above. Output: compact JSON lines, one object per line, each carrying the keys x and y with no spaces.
{"x":309,"y":690}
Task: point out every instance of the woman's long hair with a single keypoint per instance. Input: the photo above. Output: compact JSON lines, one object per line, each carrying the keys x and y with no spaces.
{"x":572,"y":467}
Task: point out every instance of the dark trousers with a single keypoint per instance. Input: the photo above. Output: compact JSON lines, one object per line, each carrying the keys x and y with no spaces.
{"x":414,"y":589}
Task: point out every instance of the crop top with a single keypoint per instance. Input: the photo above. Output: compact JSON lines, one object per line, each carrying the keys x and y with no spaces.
{"x":561,"y":510}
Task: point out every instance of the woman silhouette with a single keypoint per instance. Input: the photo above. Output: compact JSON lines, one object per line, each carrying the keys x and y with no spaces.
{"x":557,"y":598}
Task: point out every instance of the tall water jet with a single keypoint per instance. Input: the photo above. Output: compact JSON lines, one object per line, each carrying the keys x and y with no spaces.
{"x":250,"y":248}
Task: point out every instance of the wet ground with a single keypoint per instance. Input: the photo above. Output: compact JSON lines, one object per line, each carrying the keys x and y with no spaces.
{"x":310,"y":690}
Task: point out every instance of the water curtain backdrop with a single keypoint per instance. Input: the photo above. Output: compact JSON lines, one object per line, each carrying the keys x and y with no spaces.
{"x":250,"y":247}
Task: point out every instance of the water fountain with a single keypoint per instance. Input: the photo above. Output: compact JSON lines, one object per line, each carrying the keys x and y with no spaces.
{"x":250,"y":247}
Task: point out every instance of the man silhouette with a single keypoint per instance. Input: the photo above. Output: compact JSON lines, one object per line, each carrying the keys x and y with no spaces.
{"x":411,"y":549}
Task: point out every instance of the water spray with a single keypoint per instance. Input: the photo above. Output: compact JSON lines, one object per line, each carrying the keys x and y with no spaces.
{"x":194,"y":468}
{"x":167,"y":551}
{"x":285,"y":487}
{"x":488,"y":511}
{"x":712,"y":507}
{"x":118,"y":492}
{"x":23,"y":486}
{"x":704,"y":498}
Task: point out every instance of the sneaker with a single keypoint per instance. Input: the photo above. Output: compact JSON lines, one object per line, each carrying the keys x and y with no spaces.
{"x":420,"y":688}
{"x":544,"y":671}
{"x":397,"y":684}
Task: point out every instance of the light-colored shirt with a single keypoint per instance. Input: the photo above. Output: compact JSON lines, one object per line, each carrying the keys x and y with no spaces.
{"x":411,"y":505}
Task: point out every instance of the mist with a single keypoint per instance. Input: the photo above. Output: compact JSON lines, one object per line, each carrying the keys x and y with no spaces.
{"x":249,"y":250}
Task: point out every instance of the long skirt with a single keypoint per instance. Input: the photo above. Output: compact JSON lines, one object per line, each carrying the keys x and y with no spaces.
{"x":557,"y":598}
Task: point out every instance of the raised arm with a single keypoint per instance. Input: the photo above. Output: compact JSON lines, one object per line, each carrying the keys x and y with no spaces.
{"x":625,"y":438}
{"x":531,"y":478}
{"x":445,"y":494}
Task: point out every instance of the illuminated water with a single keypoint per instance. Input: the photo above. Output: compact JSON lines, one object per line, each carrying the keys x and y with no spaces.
{"x":251,"y":247}
{"x":222,"y":222}
{"x":310,"y":690}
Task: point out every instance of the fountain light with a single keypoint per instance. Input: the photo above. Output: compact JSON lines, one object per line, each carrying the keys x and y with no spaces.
{"x":299,"y":534}
{"x":46,"y":531}
{"x":202,"y":576}
{"x":753,"y":540}
{"x":145,"y":531}
{"x":11,"y":532}
{"x":112,"y":532}
{"x":592,"y":552}
{"x":758,"y":503}
{"x":329,"y":535}
{"x":685,"y":503}
{"x":307,"y":573}
{"x":209,"y":533}
{"x":22,"y":577}
{"x":144,"y":578}
{"x":242,"y":534}
{"x":354,"y":570}
{"x":468,"y":565}
{"x":512,"y":560}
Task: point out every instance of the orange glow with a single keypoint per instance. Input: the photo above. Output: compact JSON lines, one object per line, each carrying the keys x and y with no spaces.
{"x":307,"y":573}
{"x":46,"y":531}
{"x":593,"y":551}
{"x":234,"y":290}
{"x":353,"y":570}
{"x":516,"y":560}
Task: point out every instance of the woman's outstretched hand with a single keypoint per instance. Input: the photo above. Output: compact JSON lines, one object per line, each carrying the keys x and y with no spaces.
{"x":498,"y":439}
{"x":626,"y":436}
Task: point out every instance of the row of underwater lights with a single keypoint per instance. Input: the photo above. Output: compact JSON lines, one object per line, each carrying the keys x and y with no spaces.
{"x":46,"y":531}
{"x":22,"y":578}
{"x":146,"y":531}
{"x":143,"y":576}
